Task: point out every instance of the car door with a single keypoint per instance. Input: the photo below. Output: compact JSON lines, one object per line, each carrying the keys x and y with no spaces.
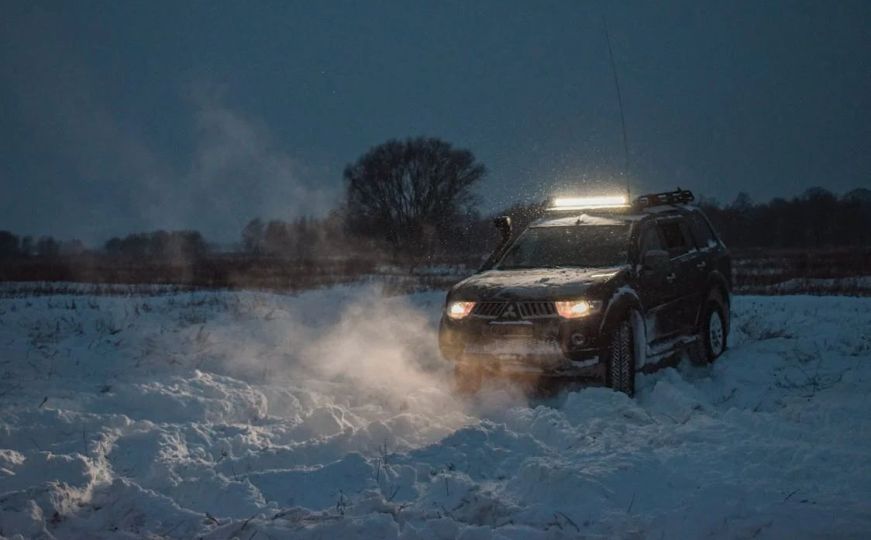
{"x":657,"y":293}
{"x":681,"y":248}
{"x":704,"y":259}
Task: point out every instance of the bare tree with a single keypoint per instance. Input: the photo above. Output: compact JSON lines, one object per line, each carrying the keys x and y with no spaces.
{"x":411,"y":193}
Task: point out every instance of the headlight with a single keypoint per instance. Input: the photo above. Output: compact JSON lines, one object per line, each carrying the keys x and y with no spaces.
{"x":575,"y":309}
{"x":459,"y":310}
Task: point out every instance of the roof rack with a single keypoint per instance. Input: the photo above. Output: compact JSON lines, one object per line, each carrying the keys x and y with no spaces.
{"x":678,"y":196}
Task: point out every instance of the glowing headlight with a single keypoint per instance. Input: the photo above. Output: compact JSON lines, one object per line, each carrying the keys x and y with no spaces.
{"x":459,"y":310}
{"x":575,"y":309}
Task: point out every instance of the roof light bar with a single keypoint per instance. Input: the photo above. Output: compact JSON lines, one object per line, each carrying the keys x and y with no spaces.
{"x":581,"y":203}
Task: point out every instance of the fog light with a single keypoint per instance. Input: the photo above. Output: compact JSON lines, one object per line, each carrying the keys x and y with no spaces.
{"x":578,"y":339}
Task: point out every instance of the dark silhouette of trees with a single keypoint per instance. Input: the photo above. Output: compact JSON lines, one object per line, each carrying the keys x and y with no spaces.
{"x":277,"y":238}
{"x":47,"y":246}
{"x":71,"y":248}
{"x":412,"y":194}
{"x":304,"y":238}
{"x":815,"y":219}
{"x":252,"y":237}
{"x":27,"y":246}
{"x":177,"y":246}
{"x":9,"y":245}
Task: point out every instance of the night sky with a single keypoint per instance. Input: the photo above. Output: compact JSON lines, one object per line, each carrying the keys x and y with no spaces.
{"x":126,"y":116}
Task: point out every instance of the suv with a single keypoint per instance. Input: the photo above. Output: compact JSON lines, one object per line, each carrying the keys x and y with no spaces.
{"x":597,"y":289}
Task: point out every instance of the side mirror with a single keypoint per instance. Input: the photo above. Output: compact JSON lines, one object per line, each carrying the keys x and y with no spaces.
{"x":503,"y":224}
{"x":655,"y":261}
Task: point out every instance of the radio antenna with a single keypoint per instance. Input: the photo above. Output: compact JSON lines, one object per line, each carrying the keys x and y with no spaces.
{"x":620,"y":104}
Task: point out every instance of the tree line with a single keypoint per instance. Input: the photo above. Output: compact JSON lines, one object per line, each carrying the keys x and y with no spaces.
{"x":163,"y":246}
{"x":815,"y":219}
{"x":416,"y":201}
{"x":11,"y":245}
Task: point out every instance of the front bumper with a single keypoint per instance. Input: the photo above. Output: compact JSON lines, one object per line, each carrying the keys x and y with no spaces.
{"x":543,"y":347}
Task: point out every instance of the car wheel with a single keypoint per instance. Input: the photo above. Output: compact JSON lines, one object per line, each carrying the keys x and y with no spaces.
{"x":467,"y":378}
{"x":620,"y":357}
{"x":712,"y":334}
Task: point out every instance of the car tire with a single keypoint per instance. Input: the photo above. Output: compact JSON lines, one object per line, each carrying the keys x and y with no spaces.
{"x":620,"y":358}
{"x":713,"y":333}
{"x":467,"y":378}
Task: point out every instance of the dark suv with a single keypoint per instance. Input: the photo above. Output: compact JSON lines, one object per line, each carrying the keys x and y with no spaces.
{"x":597,"y":289}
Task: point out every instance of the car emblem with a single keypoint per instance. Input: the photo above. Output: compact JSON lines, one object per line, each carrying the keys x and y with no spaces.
{"x":510,"y":312}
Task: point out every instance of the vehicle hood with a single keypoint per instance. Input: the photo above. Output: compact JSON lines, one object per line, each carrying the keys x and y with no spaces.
{"x":536,"y":284}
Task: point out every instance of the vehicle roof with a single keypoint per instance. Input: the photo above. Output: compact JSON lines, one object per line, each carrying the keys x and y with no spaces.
{"x":592,"y":217}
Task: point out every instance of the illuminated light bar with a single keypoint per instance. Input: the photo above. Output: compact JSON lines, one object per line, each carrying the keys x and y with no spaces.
{"x":580,"y":203}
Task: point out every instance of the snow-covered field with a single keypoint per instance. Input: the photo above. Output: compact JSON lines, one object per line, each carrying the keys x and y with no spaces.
{"x":329,"y":415}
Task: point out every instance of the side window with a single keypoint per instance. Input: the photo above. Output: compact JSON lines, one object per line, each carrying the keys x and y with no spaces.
{"x":701,"y":231}
{"x":676,"y":236}
{"x":649,"y":240}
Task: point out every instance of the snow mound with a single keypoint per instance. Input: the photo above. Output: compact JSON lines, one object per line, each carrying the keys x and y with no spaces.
{"x":329,"y":415}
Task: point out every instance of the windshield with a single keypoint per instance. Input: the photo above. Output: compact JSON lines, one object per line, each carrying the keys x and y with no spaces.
{"x":585,"y":246}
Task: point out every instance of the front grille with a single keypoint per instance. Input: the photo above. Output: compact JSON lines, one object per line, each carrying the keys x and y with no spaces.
{"x":534,"y":310}
{"x":526,"y":309}
{"x":488,"y":309}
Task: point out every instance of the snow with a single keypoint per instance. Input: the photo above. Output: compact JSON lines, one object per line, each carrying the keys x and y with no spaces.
{"x":857,"y":284}
{"x":329,"y":415}
{"x":581,"y":219}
